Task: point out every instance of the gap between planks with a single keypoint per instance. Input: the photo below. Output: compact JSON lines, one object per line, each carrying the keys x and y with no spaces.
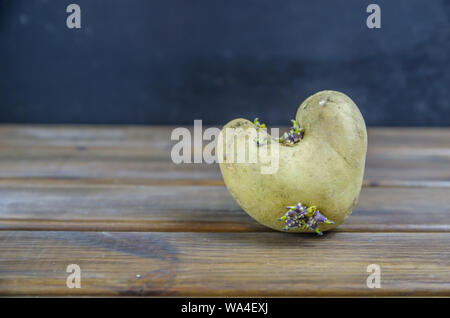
{"x":189,"y":226}
{"x":197,"y":182}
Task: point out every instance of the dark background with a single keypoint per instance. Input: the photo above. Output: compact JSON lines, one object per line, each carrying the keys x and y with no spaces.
{"x":173,"y":61}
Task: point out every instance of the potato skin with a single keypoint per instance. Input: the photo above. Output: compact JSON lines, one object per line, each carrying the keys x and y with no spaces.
{"x":324,"y":169}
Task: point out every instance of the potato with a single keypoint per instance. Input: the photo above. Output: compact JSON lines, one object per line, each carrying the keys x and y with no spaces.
{"x":323,"y":171}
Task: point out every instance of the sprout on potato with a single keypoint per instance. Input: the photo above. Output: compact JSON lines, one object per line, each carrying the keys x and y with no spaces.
{"x":294,"y":135}
{"x":299,"y":216}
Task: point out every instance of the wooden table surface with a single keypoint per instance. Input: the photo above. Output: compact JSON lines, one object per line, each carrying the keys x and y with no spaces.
{"x":110,"y":200}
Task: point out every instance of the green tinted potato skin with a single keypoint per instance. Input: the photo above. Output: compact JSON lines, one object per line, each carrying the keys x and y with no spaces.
{"x":324,"y":169}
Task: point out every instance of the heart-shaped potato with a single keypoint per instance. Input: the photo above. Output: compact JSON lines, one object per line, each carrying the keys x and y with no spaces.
{"x":324,"y":169}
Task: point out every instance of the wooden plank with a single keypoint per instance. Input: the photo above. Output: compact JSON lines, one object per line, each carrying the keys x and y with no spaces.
{"x":400,"y":174}
{"x":396,"y":157}
{"x":136,"y":136}
{"x":224,"y":264}
{"x":44,"y":205}
{"x":415,"y":137}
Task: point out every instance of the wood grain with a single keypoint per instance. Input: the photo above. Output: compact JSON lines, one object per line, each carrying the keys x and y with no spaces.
{"x":109,"y":199}
{"x":396,"y":157}
{"x":92,"y":207}
{"x":224,"y":264}
{"x":159,"y":136}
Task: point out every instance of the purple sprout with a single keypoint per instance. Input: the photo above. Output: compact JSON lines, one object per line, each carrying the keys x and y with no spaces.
{"x":294,"y":135}
{"x":299,"y":216}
